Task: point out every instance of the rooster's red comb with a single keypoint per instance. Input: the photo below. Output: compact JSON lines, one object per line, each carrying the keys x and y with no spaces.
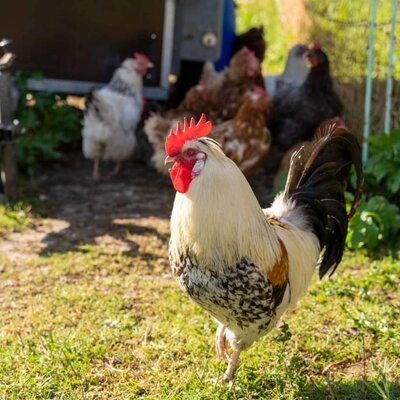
{"x":176,"y":139}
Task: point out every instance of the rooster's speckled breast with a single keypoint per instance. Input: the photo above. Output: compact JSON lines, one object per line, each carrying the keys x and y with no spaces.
{"x":240,"y":297}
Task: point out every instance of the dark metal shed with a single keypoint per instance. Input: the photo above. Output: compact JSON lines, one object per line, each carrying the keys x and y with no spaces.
{"x":78,"y":44}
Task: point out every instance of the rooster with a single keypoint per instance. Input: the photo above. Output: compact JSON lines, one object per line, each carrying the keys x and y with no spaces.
{"x":243,"y":264}
{"x":156,"y":126}
{"x":112,"y":113}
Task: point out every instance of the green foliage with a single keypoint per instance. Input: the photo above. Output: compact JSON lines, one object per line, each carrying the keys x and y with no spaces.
{"x":14,"y":217}
{"x":264,"y":13}
{"x":49,"y":124}
{"x":377,"y":221}
{"x":383,"y":167}
{"x":343,"y":29}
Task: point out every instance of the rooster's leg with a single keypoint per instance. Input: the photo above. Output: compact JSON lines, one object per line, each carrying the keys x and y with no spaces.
{"x":230,"y":371}
{"x":220,"y":342}
{"x":96,"y":169}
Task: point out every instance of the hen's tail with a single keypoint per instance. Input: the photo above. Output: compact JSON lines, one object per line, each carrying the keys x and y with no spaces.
{"x":156,"y":128}
{"x":93,"y":104}
{"x":317,"y":180}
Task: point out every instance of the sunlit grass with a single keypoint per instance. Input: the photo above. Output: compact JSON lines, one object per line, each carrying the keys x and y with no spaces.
{"x":14,"y":216}
{"x":92,"y":324}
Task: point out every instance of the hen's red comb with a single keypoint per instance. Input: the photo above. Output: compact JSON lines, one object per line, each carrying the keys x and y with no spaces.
{"x":259,"y":90}
{"x":176,"y":139}
{"x":317,"y":46}
{"x":141,"y":57}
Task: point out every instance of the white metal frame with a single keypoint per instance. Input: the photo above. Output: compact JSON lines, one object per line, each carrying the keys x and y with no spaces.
{"x":168,"y":42}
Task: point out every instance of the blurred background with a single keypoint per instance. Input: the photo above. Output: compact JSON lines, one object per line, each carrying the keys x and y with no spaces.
{"x":342,"y":27}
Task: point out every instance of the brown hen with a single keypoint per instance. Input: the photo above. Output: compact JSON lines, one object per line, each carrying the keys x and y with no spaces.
{"x":245,"y":139}
{"x":241,"y":77}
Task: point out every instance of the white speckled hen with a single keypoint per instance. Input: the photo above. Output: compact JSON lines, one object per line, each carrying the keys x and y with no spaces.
{"x":243,"y":264}
{"x":112,"y":113}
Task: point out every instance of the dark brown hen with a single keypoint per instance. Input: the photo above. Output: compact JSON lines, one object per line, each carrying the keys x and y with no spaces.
{"x":301,"y":109}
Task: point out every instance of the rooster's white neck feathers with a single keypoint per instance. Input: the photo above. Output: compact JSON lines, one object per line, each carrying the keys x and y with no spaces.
{"x":219,"y":218}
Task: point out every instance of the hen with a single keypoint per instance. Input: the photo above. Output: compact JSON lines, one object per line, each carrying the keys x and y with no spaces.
{"x":285,"y":161}
{"x":242,"y":75}
{"x":294,"y":74}
{"x":220,"y":97}
{"x":243,"y":264}
{"x":112,"y":113}
{"x":212,"y":79}
{"x":298,"y":114}
{"x":254,"y":40}
{"x":245,"y":139}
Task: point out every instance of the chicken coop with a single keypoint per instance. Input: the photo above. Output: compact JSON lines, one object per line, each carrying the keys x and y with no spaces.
{"x":77,"y":45}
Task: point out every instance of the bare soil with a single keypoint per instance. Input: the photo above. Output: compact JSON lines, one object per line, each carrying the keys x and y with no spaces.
{"x":80,"y":211}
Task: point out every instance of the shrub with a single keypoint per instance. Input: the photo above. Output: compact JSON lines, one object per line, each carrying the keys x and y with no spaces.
{"x":377,"y":221}
{"x":48,"y":123}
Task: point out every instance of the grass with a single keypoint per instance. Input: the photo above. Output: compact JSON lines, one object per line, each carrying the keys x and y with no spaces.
{"x":95,"y":323}
{"x":14,"y":216}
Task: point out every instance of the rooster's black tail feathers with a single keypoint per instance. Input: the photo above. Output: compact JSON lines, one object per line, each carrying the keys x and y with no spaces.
{"x":317,"y":180}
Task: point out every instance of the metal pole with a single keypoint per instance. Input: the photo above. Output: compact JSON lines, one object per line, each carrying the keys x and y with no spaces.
{"x":368,"y":92}
{"x":389,"y":82}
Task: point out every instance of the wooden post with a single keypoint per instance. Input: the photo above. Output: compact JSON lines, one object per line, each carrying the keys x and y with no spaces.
{"x":368,"y":90}
{"x":9,"y":171}
{"x":389,"y":82}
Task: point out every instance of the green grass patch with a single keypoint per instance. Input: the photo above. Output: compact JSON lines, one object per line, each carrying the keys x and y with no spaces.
{"x":87,"y":324}
{"x":14,"y":216}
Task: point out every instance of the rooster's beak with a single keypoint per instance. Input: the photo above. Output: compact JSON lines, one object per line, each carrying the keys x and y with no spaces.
{"x":168,"y":160}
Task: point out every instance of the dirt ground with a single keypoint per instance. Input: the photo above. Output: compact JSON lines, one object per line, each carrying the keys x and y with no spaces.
{"x":80,"y":211}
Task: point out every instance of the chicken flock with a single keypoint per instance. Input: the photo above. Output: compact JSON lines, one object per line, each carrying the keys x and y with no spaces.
{"x":259,"y":121}
{"x":243,"y":264}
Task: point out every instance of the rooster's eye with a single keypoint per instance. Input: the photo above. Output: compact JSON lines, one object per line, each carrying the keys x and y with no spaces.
{"x":190,"y":153}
